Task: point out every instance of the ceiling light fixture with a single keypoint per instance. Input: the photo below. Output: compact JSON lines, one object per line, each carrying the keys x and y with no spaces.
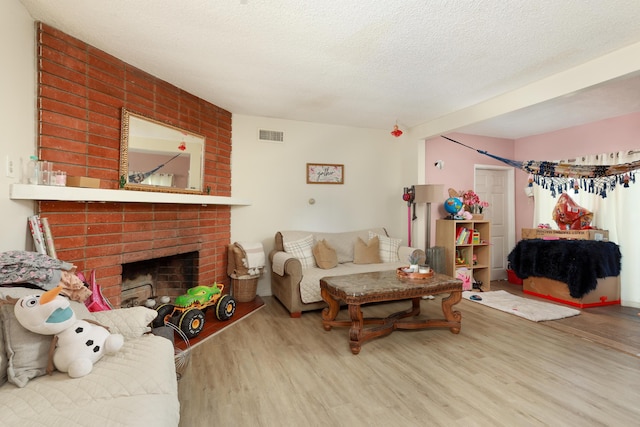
{"x":396,"y":132}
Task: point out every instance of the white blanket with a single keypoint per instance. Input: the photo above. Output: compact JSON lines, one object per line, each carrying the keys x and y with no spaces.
{"x":254,"y":254}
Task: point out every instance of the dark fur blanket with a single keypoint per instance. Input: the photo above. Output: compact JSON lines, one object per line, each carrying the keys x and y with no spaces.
{"x":578,"y":263}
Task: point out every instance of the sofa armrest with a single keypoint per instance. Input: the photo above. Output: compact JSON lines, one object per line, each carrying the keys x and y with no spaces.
{"x":286,"y":275}
{"x":284,"y":264}
{"x":405,"y":251}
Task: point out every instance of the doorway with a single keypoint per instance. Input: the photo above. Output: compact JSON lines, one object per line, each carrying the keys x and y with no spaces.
{"x":495,"y":184}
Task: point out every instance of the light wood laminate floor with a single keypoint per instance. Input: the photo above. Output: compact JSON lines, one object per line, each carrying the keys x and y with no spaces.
{"x":501,"y":370}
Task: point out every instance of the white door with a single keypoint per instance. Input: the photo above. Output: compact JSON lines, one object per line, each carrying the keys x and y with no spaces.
{"x":495,"y":185}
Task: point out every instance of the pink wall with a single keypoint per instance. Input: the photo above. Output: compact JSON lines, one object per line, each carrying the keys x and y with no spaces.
{"x":458,"y":171}
{"x":459,"y":161}
{"x":616,"y":134}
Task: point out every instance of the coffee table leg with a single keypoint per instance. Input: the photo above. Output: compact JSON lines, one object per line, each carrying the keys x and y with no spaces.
{"x":329,"y":314}
{"x":357,"y":324}
{"x":447,"y":310}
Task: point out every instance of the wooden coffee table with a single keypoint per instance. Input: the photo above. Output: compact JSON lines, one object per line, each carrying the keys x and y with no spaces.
{"x":358,"y":289}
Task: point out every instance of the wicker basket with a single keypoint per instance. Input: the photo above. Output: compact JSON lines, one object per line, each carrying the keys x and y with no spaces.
{"x":244,"y":289}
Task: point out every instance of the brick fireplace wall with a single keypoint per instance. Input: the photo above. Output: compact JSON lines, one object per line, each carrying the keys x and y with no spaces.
{"x":81,"y":93}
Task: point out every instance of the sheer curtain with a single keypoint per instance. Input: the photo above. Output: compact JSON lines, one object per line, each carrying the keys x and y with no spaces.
{"x":619,"y":213}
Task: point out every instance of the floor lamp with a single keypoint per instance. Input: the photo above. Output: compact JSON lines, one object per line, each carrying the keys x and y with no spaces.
{"x":430,"y":193}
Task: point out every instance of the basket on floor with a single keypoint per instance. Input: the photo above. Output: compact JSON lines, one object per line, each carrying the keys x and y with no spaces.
{"x":244,"y":288}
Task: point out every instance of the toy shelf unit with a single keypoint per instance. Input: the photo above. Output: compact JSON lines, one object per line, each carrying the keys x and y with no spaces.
{"x":467,"y":249}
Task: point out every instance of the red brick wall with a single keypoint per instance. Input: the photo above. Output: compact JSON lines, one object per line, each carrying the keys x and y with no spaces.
{"x":81,"y":93}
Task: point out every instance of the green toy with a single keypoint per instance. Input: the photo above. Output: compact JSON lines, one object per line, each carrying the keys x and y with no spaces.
{"x":187,"y":312}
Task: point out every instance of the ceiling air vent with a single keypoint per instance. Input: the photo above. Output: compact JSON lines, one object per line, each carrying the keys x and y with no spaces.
{"x":270,"y":135}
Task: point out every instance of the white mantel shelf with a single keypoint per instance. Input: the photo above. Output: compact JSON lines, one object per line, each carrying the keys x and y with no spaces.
{"x":79,"y":194}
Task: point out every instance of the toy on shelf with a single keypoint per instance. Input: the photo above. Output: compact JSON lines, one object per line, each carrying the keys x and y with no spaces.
{"x":460,"y":259}
{"x":187,"y":312}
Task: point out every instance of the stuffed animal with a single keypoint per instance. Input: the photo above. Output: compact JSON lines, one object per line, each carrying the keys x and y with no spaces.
{"x":77,"y":344}
{"x":464,"y":214}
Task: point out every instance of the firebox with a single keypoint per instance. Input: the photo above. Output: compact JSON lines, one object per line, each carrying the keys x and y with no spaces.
{"x":167,"y":276}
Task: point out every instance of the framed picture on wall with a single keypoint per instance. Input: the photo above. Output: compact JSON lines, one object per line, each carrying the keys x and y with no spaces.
{"x":323,"y":173}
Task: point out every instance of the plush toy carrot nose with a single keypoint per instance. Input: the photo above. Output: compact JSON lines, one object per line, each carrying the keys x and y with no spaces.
{"x":50,"y":295}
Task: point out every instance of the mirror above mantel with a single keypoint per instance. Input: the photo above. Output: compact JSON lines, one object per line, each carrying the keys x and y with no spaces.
{"x":156,"y":156}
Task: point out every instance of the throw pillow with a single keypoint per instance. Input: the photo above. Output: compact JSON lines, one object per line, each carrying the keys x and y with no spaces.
{"x":367,"y":253}
{"x":388,"y":247}
{"x":325,"y":256}
{"x":240,"y":269}
{"x":303,"y":250}
{"x":27,"y":352}
{"x":131,"y":322}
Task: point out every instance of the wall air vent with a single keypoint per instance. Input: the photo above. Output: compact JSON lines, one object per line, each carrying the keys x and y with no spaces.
{"x":271,"y":135}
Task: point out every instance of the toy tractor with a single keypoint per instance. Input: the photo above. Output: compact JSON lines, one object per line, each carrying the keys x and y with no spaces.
{"x":187,"y":312}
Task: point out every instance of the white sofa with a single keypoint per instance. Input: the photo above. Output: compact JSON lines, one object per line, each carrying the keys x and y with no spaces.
{"x":135,"y":387}
{"x":298,"y":287}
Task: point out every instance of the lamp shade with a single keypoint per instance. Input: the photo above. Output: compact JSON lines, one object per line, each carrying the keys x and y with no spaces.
{"x":429,"y":193}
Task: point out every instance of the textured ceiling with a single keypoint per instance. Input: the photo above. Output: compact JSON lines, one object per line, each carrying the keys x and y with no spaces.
{"x":366,"y":63}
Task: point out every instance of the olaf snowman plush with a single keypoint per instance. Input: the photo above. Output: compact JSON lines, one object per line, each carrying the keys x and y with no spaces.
{"x":77,"y":344}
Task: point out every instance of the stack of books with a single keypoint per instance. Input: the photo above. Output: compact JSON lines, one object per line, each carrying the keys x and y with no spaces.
{"x":463,"y":235}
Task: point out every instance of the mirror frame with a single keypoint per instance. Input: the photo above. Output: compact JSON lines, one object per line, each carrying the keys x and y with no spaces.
{"x":125,"y":153}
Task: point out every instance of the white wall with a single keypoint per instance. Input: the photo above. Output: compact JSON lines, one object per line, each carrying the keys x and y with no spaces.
{"x":17,"y":117}
{"x":272,"y":175}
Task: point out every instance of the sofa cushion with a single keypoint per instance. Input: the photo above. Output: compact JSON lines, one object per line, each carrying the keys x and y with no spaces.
{"x":302,"y":249}
{"x":388,"y":247}
{"x":310,"y":283}
{"x":367,"y":253}
{"x":134,"y":387}
{"x":325,"y":255}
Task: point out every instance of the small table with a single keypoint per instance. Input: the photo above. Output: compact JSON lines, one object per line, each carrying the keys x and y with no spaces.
{"x":362,"y":288}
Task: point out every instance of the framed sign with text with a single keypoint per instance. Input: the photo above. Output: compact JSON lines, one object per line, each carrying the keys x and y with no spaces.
{"x":322,"y":173}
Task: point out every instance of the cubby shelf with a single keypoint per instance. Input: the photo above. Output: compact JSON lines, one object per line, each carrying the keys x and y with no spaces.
{"x":446,"y":233}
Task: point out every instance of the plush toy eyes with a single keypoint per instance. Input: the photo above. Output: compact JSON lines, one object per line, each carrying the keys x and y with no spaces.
{"x":31,"y":302}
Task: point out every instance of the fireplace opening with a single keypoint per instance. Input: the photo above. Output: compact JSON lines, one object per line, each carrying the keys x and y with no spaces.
{"x":167,"y":276}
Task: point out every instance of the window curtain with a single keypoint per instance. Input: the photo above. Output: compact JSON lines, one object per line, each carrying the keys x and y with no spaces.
{"x":618,"y":213}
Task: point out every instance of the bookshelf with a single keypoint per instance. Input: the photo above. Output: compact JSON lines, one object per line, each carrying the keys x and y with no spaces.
{"x":468,"y":253}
